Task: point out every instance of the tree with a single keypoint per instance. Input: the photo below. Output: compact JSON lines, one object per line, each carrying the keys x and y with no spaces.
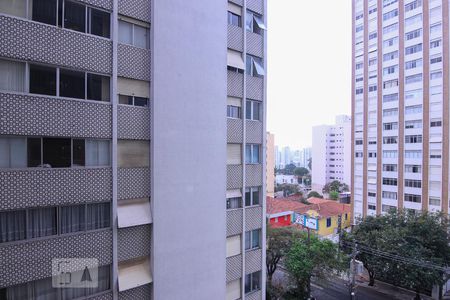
{"x":279,"y":241}
{"x":420,"y":238}
{"x":336,"y":186}
{"x":288,"y":189}
{"x":289,"y":169}
{"x":310,"y":163}
{"x":334,"y":195}
{"x":318,"y":258}
{"x":314,"y":194}
{"x":301,"y":173}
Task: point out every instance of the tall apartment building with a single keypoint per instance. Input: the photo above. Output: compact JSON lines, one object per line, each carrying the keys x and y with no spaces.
{"x":331,"y":152}
{"x":305,"y":156}
{"x":270,"y":164}
{"x":400,"y":106}
{"x":112,"y":114}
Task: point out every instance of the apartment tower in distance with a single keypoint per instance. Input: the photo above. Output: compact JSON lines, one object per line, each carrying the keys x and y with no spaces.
{"x":114,"y":131}
{"x":331,"y":152}
{"x":400,"y":106}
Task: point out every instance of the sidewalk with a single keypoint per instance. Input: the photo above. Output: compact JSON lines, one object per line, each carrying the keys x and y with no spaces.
{"x":392,"y":292}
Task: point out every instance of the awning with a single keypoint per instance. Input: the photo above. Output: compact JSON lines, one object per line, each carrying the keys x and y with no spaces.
{"x":134,"y":212}
{"x":258,"y":68}
{"x":235,"y":59}
{"x":260,"y":22}
{"x":235,"y":9}
{"x":134,"y":273}
{"x":234,"y":193}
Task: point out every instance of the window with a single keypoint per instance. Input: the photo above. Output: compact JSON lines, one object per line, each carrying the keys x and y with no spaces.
{"x":391,"y":14}
{"x":371,"y":207}
{"x":233,"y":245}
{"x":413,"y":124}
{"x":413,"y":183}
{"x":390,"y":70}
{"x":413,"y":5}
{"x":99,"y":22}
{"x":390,"y":140}
{"x":413,"y":154}
{"x":358,"y":142}
{"x":388,"y":208}
{"x":372,"y":88}
{"x":253,"y":110}
{"x":233,"y":203}
{"x":435,"y":201}
{"x":390,"y":112}
{"x":328,"y":222}
{"x":74,"y":16}
{"x":413,"y":49}
{"x":252,"y":239}
{"x":413,"y":34}
{"x":390,"y":28}
{"x":252,"y":282}
{"x":389,"y":195}
{"x":372,"y":61}
{"x":372,"y":154}
{"x":42,"y":80}
{"x":436,"y":12}
{"x":435,"y":43}
{"x":254,"y":22}
{"x":359,"y":91}
{"x":252,"y":196}
{"x":390,"y":56}
{"x":254,"y":66}
{"x":413,"y":198}
{"x":13,"y":152}
{"x":132,"y":100}
{"x":413,"y":139}
{"x":359,"y":28}
{"x":390,"y":181}
{"x":390,"y":126}
{"x":436,"y":75}
{"x":41,"y":222}
{"x":436,"y":123}
{"x":390,"y":42}
{"x":12,"y":75}
{"x":98,"y":216}
{"x":436,"y":59}
{"x":414,"y":109}
{"x":371,"y":194}
{"x":372,"y":35}
{"x":413,"y":78}
{"x":252,"y":154}
{"x":413,"y":169}
{"x":97,"y":87}
{"x":413,"y":94}
{"x":133,"y":34}
{"x":436,"y":28}
{"x":413,"y":20}
{"x":234,"y":19}
{"x":412,"y":64}
{"x":72,"y":218}
{"x":12,"y":226}
{"x":390,"y":83}
{"x":71,"y":84}
{"x":133,"y":92}
{"x":390,"y":168}
{"x":359,"y":66}
{"x":389,"y":2}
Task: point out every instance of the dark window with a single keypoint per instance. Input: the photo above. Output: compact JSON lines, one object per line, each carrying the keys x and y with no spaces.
{"x":234,"y":203}
{"x":98,"y":216}
{"x":12,"y":226}
{"x":42,"y":80}
{"x":233,"y":111}
{"x":79,"y":155}
{"x":41,"y":222}
{"x":97,"y":87}
{"x":34,"y":152}
{"x":125,"y":99}
{"x":74,"y":16}
{"x":99,"y":22}
{"x":57,"y":153}
{"x":140,"y":101}
{"x":234,"y":19}
{"x":71,"y":84}
{"x":44,"y":11}
{"x":252,"y":282}
{"x":255,"y":199}
{"x":72,"y":218}
{"x":328,"y":222}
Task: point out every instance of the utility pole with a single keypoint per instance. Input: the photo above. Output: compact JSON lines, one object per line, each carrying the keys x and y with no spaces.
{"x":353,"y":270}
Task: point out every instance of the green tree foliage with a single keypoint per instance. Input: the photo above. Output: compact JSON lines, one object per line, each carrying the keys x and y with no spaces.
{"x":318,"y":258}
{"x":288,"y":189}
{"x":301,"y":171}
{"x":334,"y":195}
{"x":336,"y":186}
{"x":424,"y":238}
{"x":314,"y":194}
{"x":310,"y":163}
{"x":289,"y":169}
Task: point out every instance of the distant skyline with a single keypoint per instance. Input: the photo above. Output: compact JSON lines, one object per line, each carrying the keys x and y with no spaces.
{"x":309,"y":67}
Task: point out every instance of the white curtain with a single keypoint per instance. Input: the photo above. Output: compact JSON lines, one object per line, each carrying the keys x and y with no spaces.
{"x":104,"y":276}
{"x":13,"y":76}
{"x":17,"y":292}
{"x":13,"y":152}
{"x":98,"y":216}
{"x":72,"y":218}
{"x":98,"y":153}
{"x":42,"y":290}
{"x":14,"y":7}
{"x":12,"y":226}
{"x":125,"y":32}
{"x":42,"y":222}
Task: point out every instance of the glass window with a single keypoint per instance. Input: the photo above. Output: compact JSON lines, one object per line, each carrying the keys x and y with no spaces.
{"x":74,"y":16}
{"x":98,"y":87}
{"x":128,"y":100}
{"x":98,"y":216}
{"x":12,"y":226}
{"x":99,"y":22}
{"x":34,"y":149}
{"x":252,"y":282}
{"x":56,"y":152}
{"x":98,"y":153}
{"x":125,"y":32}
{"x":140,"y":37}
{"x":41,"y":222}
{"x":78,"y":153}
{"x":42,"y":80}
{"x":14,"y":7}
{"x":233,"y":203}
{"x":140,"y":101}
{"x":72,"y":218}
{"x":252,"y":154}
{"x":44,"y":11}
{"x":71,"y":84}
{"x":12,"y":75}
{"x":13,"y":152}
{"x":252,"y":196}
{"x":234,"y":19}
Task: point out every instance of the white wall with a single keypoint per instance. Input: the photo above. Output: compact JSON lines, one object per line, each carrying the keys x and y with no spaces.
{"x":319,"y":155}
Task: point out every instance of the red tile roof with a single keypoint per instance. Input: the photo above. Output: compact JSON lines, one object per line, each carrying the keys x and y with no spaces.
{"x":314,"y":200}
{"x":278,"y":205}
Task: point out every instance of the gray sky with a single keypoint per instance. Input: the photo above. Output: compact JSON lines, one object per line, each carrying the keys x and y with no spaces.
{"x":309,"y":67}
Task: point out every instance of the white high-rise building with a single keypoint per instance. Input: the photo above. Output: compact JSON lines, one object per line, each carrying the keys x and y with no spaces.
{"x":400,"y":106}
{"x":331,"y":152}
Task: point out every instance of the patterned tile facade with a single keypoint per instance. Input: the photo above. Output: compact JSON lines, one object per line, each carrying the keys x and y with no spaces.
{"x":45,"y":187}
{"x":139,"y":128}
{"x":234,"y":222}
{"x":134,"y":242}
{"x":253,"y":175}
{"x":256,"y":6}
{"x":143,"y":292}
{"x":138,"y":9}
{"x":254,"y":296}
{"x":238,"y":2}
{"x":255,"y":88}
{"x":27,"y":40}
{"x":234,"y":267}
{"x":105,"y":296}
{"x":235,"y":84}
{"x":235,"y":38}
{"x":28,"y":261}
{"x":133,"y":62}
{"x":234,"y":131}
{"x":106,"y":4}
{"x":255,"y":45}
{"x":253,"y":218}
{"x":234,"y":176}
{"x":50,"y":116}
{"x":254,"y":132}
{"x":253,"y":261}
{"x":133,"y":183}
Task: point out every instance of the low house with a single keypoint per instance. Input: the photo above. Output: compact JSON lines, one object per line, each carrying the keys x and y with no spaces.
{"x":280,"y":211}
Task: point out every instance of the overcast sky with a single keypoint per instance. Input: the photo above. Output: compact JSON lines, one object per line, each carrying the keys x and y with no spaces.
{"x":309,"y":67}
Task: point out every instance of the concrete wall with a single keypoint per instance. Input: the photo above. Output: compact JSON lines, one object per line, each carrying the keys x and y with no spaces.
{"x":189,"y":133}
{"x":319,"y":154}
{"x":270,"y":164}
